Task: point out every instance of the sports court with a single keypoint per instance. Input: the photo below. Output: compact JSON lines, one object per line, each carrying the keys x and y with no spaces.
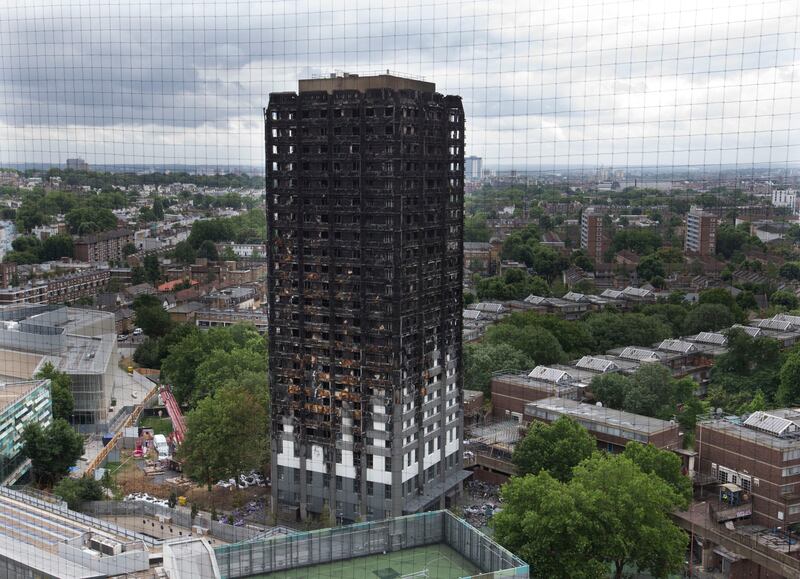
{"x":432,"y":561}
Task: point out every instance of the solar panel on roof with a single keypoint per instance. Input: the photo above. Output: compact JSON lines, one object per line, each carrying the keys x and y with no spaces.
{"x":773,"y":324}
{"x":596,"y":364}
{"x":711,"y":338}
{"x":770,"y":423}
{"x":532,"y":299}
{"x":639,"y":354}
{"x":549,"y":374}
{"x":574,"y":297}
{"x":794,"y":320}
{"x":749,"y":330}
{"x":677,"y":346}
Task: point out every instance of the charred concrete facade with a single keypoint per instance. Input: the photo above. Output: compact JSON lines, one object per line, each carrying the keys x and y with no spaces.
{"x":365,"y":182}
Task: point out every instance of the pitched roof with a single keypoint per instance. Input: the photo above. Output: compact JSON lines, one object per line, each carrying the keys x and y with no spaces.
{"x":574,"y":297}
{"x":711,"y":338}
{"x":613,"y":294}
{"x":640,"y":354}
{"x":596,"y":364}
{"x":677,"y":346}
{"x":554,"y":375}
{"x":532,"y":299}
{"x":770,"y":423}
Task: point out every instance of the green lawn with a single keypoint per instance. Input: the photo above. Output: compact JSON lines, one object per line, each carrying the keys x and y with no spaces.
{"x":431,"y":562}
{"x":159,"y":425}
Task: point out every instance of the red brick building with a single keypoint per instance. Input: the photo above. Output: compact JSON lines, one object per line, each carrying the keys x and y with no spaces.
{"x":613,"y":429}
{"x":101,"y":247}
{"x":762,"y":456}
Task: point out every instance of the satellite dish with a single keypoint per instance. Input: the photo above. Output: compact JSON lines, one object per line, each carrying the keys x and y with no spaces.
{"x":599,"y":404}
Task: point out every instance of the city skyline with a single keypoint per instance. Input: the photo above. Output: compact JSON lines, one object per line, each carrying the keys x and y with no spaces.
{"x":579,"y":84}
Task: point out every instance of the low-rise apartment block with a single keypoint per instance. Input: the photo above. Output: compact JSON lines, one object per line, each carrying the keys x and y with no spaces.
{"x":103,"y":247}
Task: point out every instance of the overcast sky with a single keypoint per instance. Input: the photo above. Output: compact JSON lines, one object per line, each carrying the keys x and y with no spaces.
{"x":551,"y":82}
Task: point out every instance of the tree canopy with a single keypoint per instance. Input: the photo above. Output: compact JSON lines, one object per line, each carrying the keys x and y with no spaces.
{"x":52,"y":450}
{"x":556,"y":448}
{"x":76,"y":491}
{"x":226,"y":434}
{"x":202,"y":361}
{"x":483,"y":358}
{"x":610,"y":513}
{"x":63,"y":402}
{"x":650,"y":390}
{"x":151,"y":316}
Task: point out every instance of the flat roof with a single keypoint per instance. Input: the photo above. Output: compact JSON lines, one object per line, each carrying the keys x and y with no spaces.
{"x":11,"y":392}
{"x":364,"y":83}
{"x":533,"y":383}
{"x":16,"y":365}
{"x":734,"y":426}
{"x":43,"y":561}
{"x":439,"y":561}
{"x":83,"y":354}
{"x":600,"y":415}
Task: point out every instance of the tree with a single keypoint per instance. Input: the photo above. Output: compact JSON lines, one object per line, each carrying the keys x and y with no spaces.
{"x":184,"y":252}
{"x":148,"y":354}
{"x":749,"y":364}
{"x":555,"y":448}
{"x":611,"y":512}
{"x":651,"y":267}
{"x":85,"y":220}
{"x":52,"y":450}
{"x":183,"y":366}
{"x":158,"y":209}
{"x":541,"y":523}
{"x":482,"y":359}
{"x":226,"y":435}
{"x":56,"y":247}
{"x":611,"y":330}
{"x":475,"y":228}
{"x":663,"y":463}
{"x":208,"y":250}
{"x":723,"y":297}
{"x":670,"y":314}
{"x":152,"y":318}
{"x":640,"y":241}
{"x":746,"y":301}
{"x":138,"y":275}
{"x":514,"y":284}
{"x":784,"y":299}
{"x":655,"y":393}
{"x":128,"y":249}
{"x":708,"y":318}
{"x":610,"y":389}
{"x":152,"y":269}
{"x":628,"y":513}
{"x":76,"y":491}
{"x":222,"y":367}
{"x":63,"y":402}
{"x":730,"y":240}
{"x":537,"y":343}
{"x":790,"y":270}
{"x":650,"y":391}
{"x":789,"y":388}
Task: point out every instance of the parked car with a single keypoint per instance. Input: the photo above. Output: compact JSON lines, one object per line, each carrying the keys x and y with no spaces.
{"x":137,"y":332}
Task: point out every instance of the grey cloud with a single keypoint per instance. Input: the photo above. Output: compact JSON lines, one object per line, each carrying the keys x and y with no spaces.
{"x":199,"y":72}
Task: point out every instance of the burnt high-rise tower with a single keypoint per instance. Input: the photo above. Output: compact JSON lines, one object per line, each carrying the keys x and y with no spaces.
{"x":365,"y":180}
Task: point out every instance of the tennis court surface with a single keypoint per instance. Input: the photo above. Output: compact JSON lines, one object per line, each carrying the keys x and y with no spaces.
{"x":432,"y":562}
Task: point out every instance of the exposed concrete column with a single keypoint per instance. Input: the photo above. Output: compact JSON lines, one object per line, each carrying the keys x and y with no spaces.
{"x":708,"y":560}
